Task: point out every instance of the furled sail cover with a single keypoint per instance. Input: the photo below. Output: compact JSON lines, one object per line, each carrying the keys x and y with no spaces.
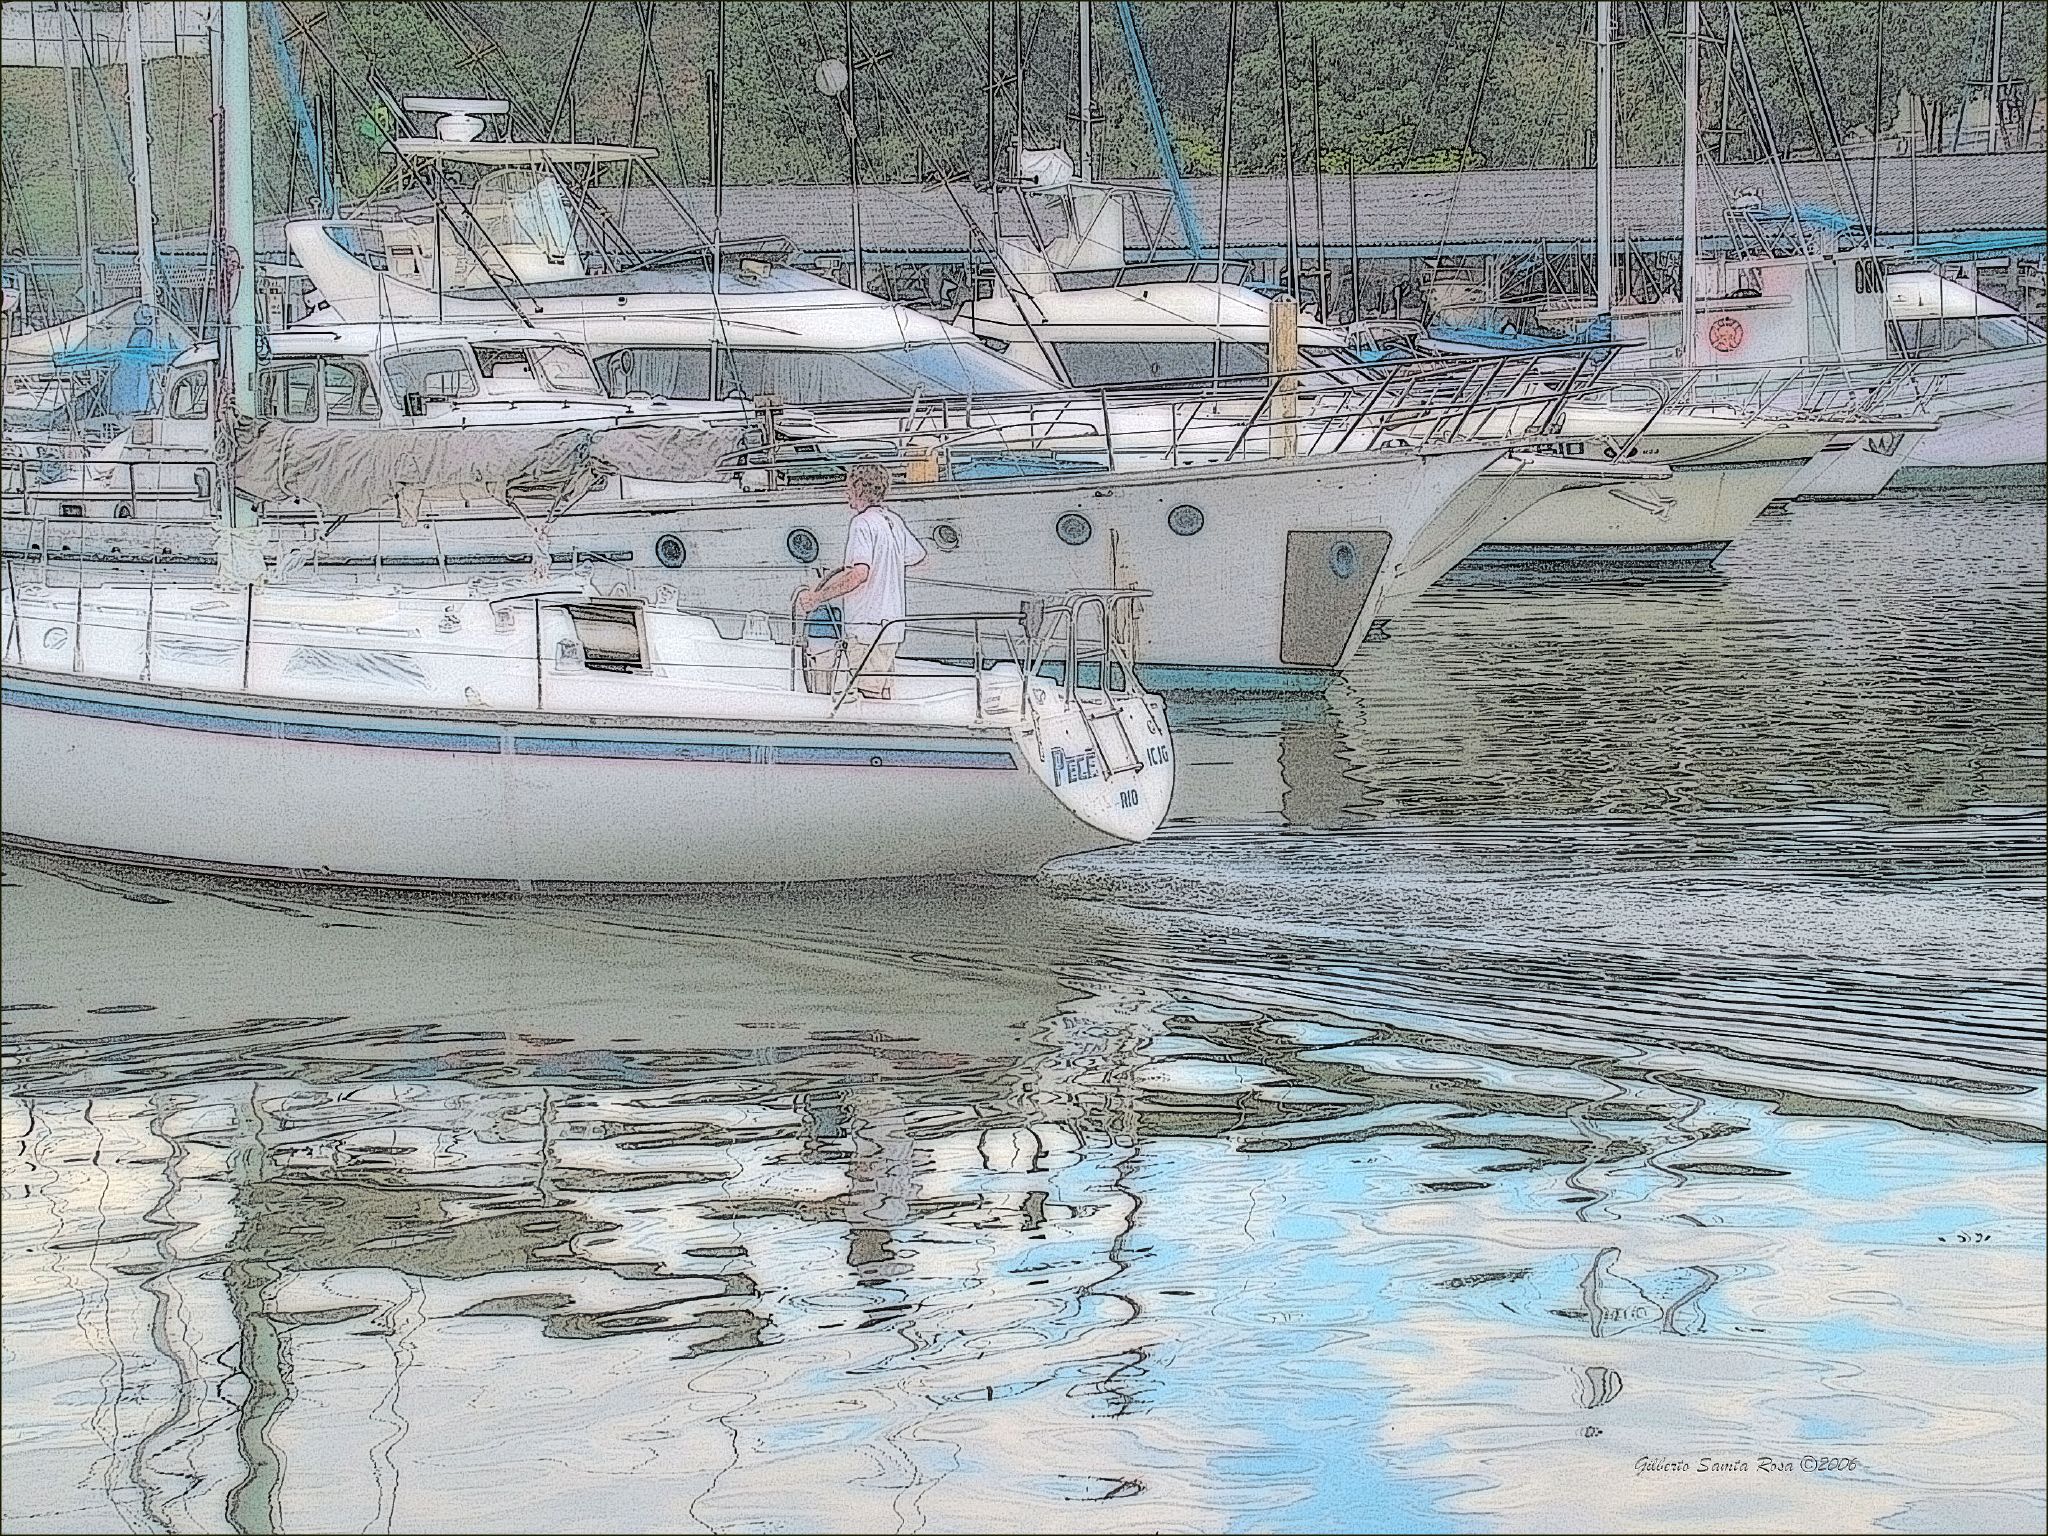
{"x":345,"y":471}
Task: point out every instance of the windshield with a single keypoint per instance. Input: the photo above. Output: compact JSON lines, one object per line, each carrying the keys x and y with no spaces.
{"x":522,"y":207}
{"x":439,"y":373}
{"x":819,"y":378}
{"x":1089,"y":363}
{"x":815,"y":378}
{"x":1965,"y":335}
{"x":557,"y":368}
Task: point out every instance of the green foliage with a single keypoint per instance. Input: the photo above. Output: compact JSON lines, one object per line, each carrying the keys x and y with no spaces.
{"x":1402,"y":85}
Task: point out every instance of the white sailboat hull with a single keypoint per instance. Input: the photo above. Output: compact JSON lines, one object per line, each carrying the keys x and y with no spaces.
{"x":170,"y":778}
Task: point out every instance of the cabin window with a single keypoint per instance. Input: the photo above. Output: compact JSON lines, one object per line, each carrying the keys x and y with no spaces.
{"x":290,"y":393}
{"x":1089,"y":363}
{"x":930,"y":369}
{"x":609,"y":635}
{"x":345,"y":391}
{"x":189,"y":395}
{"x":558,"y":368}
{"x":435,"y":373}
{"x":564,"y":368}
{"x":673,"y":373}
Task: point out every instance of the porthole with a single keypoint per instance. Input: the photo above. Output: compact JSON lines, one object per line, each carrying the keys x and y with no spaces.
{"x":55,"y":636}
{"x":802,"y":545}
{"x":671,"y":551}
{"x":946,"y":536}
{"x":1073,"y":528}
{"x":123,"y":511}
{"x":1343,"y":560}
{"x":1185,"y":520}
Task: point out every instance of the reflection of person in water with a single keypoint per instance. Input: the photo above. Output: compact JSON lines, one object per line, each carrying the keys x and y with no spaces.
{"x":881,"y":1174}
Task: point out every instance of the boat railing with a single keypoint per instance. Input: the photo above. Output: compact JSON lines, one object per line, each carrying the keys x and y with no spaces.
{"x":1084,"y":641}
{"x":1407,"y":403}
{"x":1830,"y":390}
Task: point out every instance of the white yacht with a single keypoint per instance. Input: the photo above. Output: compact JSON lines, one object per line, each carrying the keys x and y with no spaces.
{"x":1640,"y":480}
{"x":1956,"y":381}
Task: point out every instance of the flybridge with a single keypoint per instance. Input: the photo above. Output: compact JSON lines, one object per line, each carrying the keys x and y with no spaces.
{"x":458,"y":138}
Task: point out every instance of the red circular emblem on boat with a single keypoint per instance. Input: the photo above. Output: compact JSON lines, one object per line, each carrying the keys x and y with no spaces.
{"x":1725,"y":334}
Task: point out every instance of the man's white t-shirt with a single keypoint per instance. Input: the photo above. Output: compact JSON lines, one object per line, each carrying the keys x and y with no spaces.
{"x":878,"y":539}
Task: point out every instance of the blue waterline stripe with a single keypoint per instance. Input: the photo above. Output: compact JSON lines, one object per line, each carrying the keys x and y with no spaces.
{"x":231,"y":722}
{"x":892,"y":757}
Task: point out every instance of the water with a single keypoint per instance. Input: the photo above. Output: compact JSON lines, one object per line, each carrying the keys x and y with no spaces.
{"x":1586,"y":1075}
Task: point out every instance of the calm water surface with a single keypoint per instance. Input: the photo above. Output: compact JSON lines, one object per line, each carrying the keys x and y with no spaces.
{"x":1585,"y":1075}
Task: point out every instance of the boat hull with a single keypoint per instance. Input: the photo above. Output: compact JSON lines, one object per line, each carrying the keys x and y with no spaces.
{"x":1718,"y":487}
{"x":290,"y":790}
{"x":1248,"y":587}
{"x":1993,"y":410}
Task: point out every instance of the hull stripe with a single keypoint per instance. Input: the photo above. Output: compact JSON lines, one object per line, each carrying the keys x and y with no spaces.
{"x":280,"y":726}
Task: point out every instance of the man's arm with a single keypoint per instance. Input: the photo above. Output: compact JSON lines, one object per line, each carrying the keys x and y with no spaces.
{"x":848,"y":578}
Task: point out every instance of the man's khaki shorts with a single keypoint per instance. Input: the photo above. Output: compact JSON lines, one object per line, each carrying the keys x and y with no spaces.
{"x":872,"y":649}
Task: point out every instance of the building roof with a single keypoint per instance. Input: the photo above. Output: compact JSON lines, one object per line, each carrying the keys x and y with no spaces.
{"x":1399,"y":213}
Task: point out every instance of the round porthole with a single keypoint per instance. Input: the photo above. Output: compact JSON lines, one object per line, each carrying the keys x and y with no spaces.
{"x":1073,"y":528}
{"x":1343,"y":560}
{"x":947,"y":537}
{"x":1185,"y":520}
{"x":802,"y":545}
{"x":55,"y":636}
{"x":671,"y":551}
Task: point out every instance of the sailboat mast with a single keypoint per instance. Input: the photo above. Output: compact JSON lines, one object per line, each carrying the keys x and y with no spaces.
{"x":1603,"y":156}
{"x":138,"y":155}
{"x":88,"y":295}
{"x":860,"y":277}
{"x":1992,"y":122}
{"x":1689,"y":253}
{"x":238,"y":206}
{"x":1087,"y":68}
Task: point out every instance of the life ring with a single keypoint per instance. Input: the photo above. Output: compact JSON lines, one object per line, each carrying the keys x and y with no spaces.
{"x":1725,"y":334}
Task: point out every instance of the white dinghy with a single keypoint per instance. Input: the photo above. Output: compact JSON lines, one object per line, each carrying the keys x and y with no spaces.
{"x":502,"y":735}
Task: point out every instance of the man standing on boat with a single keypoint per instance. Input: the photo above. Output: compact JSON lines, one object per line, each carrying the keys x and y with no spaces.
{"x":869,"y":585}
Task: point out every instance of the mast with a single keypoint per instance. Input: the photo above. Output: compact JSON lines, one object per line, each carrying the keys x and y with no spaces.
{"x":138,"y":154}
{"x":1603,"y":156}
{"x":1087,"y":67}
{"x":717,"y":105}
{"x":1689,"y":254}
{"x":1992,"y":124}
{"x":1315,"y":98}
{"x":1287,"y":152}
{"x":852,"y":137}
{"x":1876,"y":117}
{"x":238,"y":207}
{"x":88,"y":296}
